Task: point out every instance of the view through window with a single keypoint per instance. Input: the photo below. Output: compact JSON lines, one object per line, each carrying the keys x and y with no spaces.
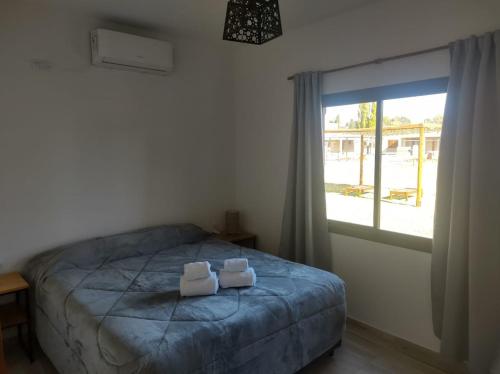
{"x":410,"y":135}
{"x":350,"y":162}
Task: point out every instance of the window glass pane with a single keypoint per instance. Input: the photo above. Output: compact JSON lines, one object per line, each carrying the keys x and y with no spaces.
{"x":410,"y":152}
{"x":350,"y":162}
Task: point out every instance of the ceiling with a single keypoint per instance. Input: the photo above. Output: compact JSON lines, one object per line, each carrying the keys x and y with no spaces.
{"x":201,"y":18}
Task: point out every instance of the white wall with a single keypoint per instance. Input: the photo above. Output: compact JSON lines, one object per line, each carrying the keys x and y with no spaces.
{"x":388,"y":287}
{"x":86,"y":151}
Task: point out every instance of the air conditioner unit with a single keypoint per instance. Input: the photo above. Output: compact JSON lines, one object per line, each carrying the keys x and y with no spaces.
{"x":117,"y":50}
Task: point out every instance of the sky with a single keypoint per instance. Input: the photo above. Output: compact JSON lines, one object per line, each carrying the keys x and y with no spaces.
{"x":417,"y":109}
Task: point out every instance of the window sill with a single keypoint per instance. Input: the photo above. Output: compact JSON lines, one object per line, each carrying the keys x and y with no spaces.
{"x":381,"y":236}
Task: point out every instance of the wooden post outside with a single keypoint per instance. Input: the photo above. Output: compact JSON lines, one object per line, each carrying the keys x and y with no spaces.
{"x":361,"y":158}
{"x":421,"y":145}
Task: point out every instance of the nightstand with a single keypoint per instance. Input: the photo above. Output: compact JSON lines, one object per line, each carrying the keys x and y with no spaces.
{"x":243,"y":239}
{"x":16,"y":314}
{"x":3,"y":366}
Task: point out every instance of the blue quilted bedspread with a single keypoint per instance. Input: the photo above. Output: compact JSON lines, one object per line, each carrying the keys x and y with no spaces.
{"x":112,"y":305}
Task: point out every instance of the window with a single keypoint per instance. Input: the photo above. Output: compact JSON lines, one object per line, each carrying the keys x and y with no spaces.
{"x":350,"y":167}
{"x":381,"y":156}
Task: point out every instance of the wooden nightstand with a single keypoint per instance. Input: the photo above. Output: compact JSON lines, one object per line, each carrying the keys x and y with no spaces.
{"x":244,"y":239}
{"x":3,"y":366}
{"x":16,"y":314}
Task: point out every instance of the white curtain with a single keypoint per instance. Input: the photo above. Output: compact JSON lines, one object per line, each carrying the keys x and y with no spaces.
{"x":466,"y":248}
{"x":304,"y":232}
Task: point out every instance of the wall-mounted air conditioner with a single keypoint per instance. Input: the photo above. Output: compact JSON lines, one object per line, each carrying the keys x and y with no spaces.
{"x":117,"y":50}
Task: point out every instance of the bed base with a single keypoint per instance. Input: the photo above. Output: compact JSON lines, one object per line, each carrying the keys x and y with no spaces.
{"x":329,"y":353}
{"x":332,"y":350}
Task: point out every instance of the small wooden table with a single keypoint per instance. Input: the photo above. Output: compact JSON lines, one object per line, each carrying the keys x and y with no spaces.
{"x":243,"y":239}
{"x":403,"y":193}
{"x":15,"y":314}
{"x":357,"y":190}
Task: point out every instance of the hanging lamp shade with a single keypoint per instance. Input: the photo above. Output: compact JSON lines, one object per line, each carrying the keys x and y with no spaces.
{"x":252,"y":21}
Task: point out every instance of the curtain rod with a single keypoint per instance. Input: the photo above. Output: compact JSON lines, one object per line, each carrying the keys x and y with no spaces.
{"x":382,"y":60}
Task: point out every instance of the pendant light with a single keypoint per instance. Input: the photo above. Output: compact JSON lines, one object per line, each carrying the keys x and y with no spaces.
{"x":252,"y":21}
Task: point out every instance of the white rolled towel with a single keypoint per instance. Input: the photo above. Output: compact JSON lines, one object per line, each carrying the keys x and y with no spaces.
{"x":236,"y":264}
{"x":229,"y":279}
{"x":196,"y":270}
{"x":200,"y":287}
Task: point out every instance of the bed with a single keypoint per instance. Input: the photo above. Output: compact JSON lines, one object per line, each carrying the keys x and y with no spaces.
{"x":112,"y":305}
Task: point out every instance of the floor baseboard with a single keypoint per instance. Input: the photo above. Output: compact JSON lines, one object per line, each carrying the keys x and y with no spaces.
{"x":412,"y":350}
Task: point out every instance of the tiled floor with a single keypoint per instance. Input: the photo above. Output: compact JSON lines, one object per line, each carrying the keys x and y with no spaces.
{"x":356,"y":356}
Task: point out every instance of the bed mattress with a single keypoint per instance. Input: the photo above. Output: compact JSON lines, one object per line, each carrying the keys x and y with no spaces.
{"x":112,"y":305}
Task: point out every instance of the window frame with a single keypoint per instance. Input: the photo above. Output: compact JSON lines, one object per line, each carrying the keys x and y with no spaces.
{"x":379,"y":95}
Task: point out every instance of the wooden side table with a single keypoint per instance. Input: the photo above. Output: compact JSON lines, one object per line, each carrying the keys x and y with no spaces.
{"x":16,"y":314}
{"x":244,"y":239}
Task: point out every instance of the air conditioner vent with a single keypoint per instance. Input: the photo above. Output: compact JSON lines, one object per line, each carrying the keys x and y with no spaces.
{"x":118,"y":50}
